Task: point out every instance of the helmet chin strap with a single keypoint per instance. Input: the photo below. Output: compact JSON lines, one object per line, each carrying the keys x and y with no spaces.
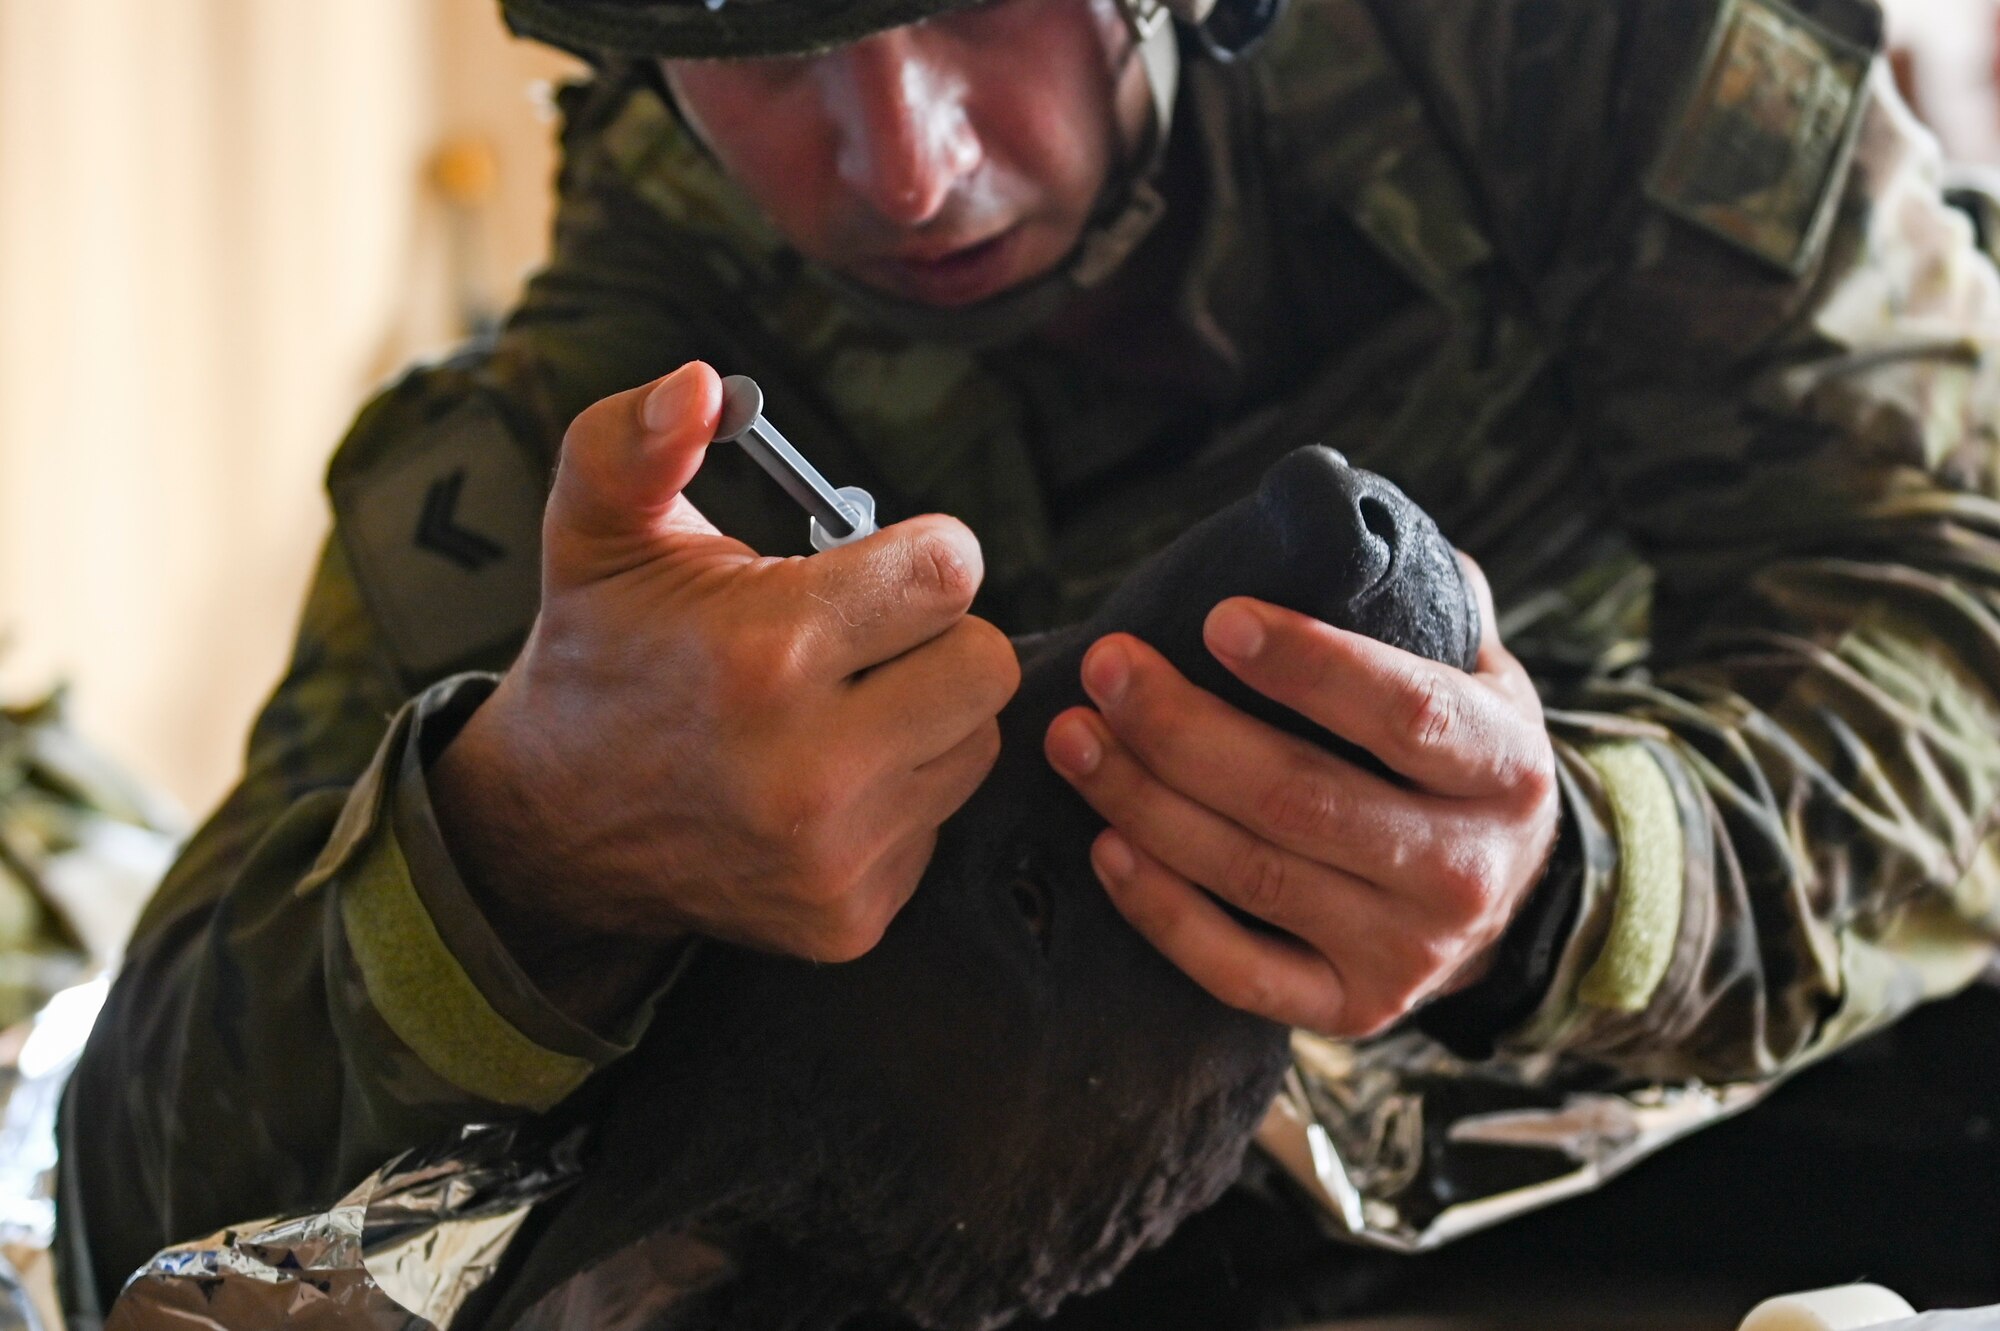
{"x":1127,"y":211}
{"x":1107,"y":244}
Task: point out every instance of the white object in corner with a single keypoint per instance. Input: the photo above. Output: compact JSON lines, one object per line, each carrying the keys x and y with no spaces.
{"x":1842,"y":1308}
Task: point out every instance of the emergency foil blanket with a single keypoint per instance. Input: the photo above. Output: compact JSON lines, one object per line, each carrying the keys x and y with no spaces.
{"x":1407,"y":1147}
{"x":401,"y":1252}
{"x":35,"y":1061}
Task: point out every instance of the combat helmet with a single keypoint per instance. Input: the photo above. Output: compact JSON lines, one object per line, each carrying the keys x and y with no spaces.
{"x":712,"y":29}
{"x":626,"y":30}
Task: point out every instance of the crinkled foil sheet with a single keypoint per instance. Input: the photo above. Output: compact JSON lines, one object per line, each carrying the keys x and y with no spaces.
{"x":36,"y":1057}
{"x":1407,"y":1147}
{"x":404,"y":1251}
{"x":401,"y":1252}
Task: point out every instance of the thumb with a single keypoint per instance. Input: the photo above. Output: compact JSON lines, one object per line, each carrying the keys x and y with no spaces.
{"x":1482,"y":595}
{"x":617,"y":498}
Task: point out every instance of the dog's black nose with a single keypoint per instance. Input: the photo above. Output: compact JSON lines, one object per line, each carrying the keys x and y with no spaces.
{"x":1327,"y":517}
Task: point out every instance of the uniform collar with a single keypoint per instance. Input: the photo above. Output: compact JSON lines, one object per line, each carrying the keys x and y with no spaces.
{"x":1325,"y":115}
{"x":1356,"y":132}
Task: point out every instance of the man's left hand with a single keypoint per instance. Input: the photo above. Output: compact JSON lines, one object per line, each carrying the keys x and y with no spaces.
{"x":1381,"y":894}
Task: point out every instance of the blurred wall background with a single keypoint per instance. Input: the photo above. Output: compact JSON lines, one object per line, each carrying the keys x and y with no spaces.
{"x":1946,"y":60}
{"x":221,"y":223}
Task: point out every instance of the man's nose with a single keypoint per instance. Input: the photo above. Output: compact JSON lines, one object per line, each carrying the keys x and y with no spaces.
{"x":906,"y":141}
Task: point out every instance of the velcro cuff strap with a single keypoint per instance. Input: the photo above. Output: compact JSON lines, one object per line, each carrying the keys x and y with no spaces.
{"x":1646,"y":915}
{"x":428,"y":1000}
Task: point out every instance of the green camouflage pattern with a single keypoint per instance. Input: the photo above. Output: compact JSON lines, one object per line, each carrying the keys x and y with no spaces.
{"x":1743,"y":525}
{"x":40,"y":952}
{"x":74,"y":833}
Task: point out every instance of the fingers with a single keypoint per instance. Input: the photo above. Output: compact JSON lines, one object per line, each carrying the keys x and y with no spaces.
{"x":1496,"y":665}
{"x":1282,"y":788}
{"x":908,"y":814}
{"x":1266,"y":974}
{"x":1355,"y":958}
{"x":1450,"y":733}
{"x":1482,"y":597}
{"x":888,"y":886}
{"x":1352,"y":960}
{"x":1351,"y":985}
{"x":893,"y":591}
{"x":850,"y":925}
{"x":927,"y":701}
{"x":617,"y":504}
{"x":938,"y":789}
{"x":624,"y":463}
{"x":1287,"y":890}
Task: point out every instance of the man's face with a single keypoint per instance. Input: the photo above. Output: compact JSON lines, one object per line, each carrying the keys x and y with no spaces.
{"x":942,"y":162}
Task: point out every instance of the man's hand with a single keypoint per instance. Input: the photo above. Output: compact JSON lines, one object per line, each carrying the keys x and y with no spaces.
{"x":1386,"y":894}
{"x":696,"y":739}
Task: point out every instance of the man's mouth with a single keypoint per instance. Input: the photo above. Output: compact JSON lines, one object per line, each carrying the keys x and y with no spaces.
{"x":951,"y":276}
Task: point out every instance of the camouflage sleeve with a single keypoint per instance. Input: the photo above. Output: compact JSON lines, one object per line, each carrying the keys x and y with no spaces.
{"x":1785,"y":824}
{"x":312,"y":990}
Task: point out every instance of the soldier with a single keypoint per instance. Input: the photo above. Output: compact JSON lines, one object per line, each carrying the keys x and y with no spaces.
{"x":1655,"y":305}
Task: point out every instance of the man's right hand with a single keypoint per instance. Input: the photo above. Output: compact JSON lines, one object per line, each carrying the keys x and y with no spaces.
{"x":697,"y":739}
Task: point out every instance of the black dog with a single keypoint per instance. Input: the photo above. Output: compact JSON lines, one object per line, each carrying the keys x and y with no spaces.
{"x":1013,"y":1094}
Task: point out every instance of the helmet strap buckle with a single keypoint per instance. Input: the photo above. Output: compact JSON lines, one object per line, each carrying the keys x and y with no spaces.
{"x":1145,"y":17}
{"x":1108,"y":247}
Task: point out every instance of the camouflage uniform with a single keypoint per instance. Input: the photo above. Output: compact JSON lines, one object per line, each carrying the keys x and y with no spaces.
{"x":1654,"y":304}
{"x":79,"y":844}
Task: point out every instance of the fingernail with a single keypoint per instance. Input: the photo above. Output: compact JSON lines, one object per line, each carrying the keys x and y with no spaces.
{"x":1073,"y":748}
{"x":1113,"y":858}
{"x":1106,"y":673}
{"x":1235,"y":631}
{"x":672,"y":399}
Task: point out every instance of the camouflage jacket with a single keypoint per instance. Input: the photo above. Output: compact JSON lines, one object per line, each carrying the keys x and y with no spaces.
{"x":1656,"y":305}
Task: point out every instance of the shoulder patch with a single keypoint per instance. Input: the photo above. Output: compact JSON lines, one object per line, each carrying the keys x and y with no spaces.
{"x":445,"y":539}
{"x":1760,"y":150}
